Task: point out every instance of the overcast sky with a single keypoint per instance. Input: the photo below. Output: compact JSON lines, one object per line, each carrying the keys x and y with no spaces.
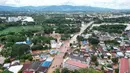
{"x":115,"y":4}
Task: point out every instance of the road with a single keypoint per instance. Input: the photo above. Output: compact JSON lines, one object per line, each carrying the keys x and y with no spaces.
{"x":58,"y":59}
{"x":84,"y":26}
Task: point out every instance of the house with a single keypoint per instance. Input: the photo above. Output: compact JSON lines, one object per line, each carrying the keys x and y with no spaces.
{"x":78,"y":57}
{"x":34,"y":68}
{"x":13,"y":19}
{"x":53,"y":44}
{"x":74,"y":65}
{"x":53,"y":51}
{"x":124,"y":65}
{"x":39,"y":55}
{"x":47,"y":63}
{"x":7,"y":65}
{"x":103,"y":46}
{"x":37,"y":66}
{"x":127,"y":53}
{"x":128,"y":27}
{"x":120,"y":54}
{"x":15,"y":69}
{"x":24,"y":42}
{"x":2,"y":59}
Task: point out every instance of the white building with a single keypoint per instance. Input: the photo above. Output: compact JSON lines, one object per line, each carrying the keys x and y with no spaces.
{"x":120,"y":54}
{"x":128,"y":27}
{"x":53,"y":44}
{"x":15,"y":69}
{"x":28,"y":19}
{"x":127,"y":53}
{"x":13,"y":19}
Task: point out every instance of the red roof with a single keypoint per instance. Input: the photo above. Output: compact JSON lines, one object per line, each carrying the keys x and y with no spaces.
{"x":27,"y":72}
{"x":78,"y":64}
{"x":36,"y":52}
{"x":128,"y":48}
{"x":124,"y":65}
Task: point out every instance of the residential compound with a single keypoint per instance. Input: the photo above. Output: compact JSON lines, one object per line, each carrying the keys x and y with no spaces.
{"x":48,"y":45}
{"x":20,"y":18}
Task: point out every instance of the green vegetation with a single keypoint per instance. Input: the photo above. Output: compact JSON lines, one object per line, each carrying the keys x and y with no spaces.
{"x":112,"y":42}
{"x":6,"y":71}
{"x":113,"y":20}
{"x":57,"y":70}
{"x":93,"y":41}
{"x":39,"y":47}
{"x":80,"y":38}
{"x":83,"y":70}
{"x":94,"y":58}
{"x":116,"y":70}
{"x":42,"y":39}
{"x":110,"y":28}
{"x":17,"y":29}
{"x":65,"y":37}
{"x":115,"y":60}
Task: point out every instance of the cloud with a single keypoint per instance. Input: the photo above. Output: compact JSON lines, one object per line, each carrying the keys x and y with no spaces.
{"x":116,"y":4}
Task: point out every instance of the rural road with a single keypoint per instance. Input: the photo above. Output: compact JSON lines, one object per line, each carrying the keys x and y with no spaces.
{"x":83,"y":27}
{"x":58,"y":59}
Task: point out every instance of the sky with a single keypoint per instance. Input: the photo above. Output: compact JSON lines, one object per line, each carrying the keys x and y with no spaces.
{"x":114,"y":4}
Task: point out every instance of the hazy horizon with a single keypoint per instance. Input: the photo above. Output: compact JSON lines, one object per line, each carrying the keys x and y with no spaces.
{"x":114,"y":4}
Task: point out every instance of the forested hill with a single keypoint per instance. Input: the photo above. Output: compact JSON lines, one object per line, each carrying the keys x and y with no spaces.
{"x":55,"y":8}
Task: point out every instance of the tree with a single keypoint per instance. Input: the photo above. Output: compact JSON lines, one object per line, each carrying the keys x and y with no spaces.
{"x":6,"y":71}
{"x":19,"y":50}
{"x":102,"y":68}
{"x":80,"y":38}
{"x":96,"y":63}
{"x":115,"y":60}
{"x":65,"y":37}
{"x":26,"y":57}
{"x":6,"y":52}
{"x":71,"y":44}
{"x":65,"y":70}
{"x":37,"y":47}
{"x":109,"y":65}
{"x":7,"y":60}
{"x":82,"y":70}
{"x":57,"y":70}
{"x":109,"y":57}
{"x":93,"y":58}
{"x":116,"y":70}
{"x":93,"y":41}
{"x":88,"y":70}
{"x":102,"y":56}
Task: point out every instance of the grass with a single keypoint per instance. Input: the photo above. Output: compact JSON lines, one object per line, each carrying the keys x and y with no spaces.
{"x":17,"y":29}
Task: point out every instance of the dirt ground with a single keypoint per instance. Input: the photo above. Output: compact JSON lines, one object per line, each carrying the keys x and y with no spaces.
{"x":58,"y":60}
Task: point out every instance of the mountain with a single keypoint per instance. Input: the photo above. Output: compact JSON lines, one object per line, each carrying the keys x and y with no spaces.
{"x":54,"y":8}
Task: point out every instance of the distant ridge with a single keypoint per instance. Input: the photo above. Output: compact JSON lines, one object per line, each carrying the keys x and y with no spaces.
{"x":54,"y":8}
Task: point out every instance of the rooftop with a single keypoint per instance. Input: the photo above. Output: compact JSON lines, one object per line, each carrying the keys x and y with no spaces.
{"x":124,"y":65}
{"x":76,"y":63}
{"x":15,"y":69}
{"x":77,"y":57}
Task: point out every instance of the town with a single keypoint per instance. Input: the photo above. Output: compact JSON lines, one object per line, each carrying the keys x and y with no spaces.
{"x":65,"y":42}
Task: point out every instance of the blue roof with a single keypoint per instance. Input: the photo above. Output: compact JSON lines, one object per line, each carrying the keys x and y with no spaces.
{"x":20,"y":43}
{"x":46,"y":64}
{"x":28,"y":42}
{"x":53,"y":51}
{"x":84,"y":42}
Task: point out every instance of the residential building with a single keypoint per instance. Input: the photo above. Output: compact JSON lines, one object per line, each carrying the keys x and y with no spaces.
{"x":124,"y":65}
{"x":74,"y":65}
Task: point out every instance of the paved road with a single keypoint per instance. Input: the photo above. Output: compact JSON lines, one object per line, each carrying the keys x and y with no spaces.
{"x":81,"y":31}
{"x":59,"y":58}
{"x":63,"y":49}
